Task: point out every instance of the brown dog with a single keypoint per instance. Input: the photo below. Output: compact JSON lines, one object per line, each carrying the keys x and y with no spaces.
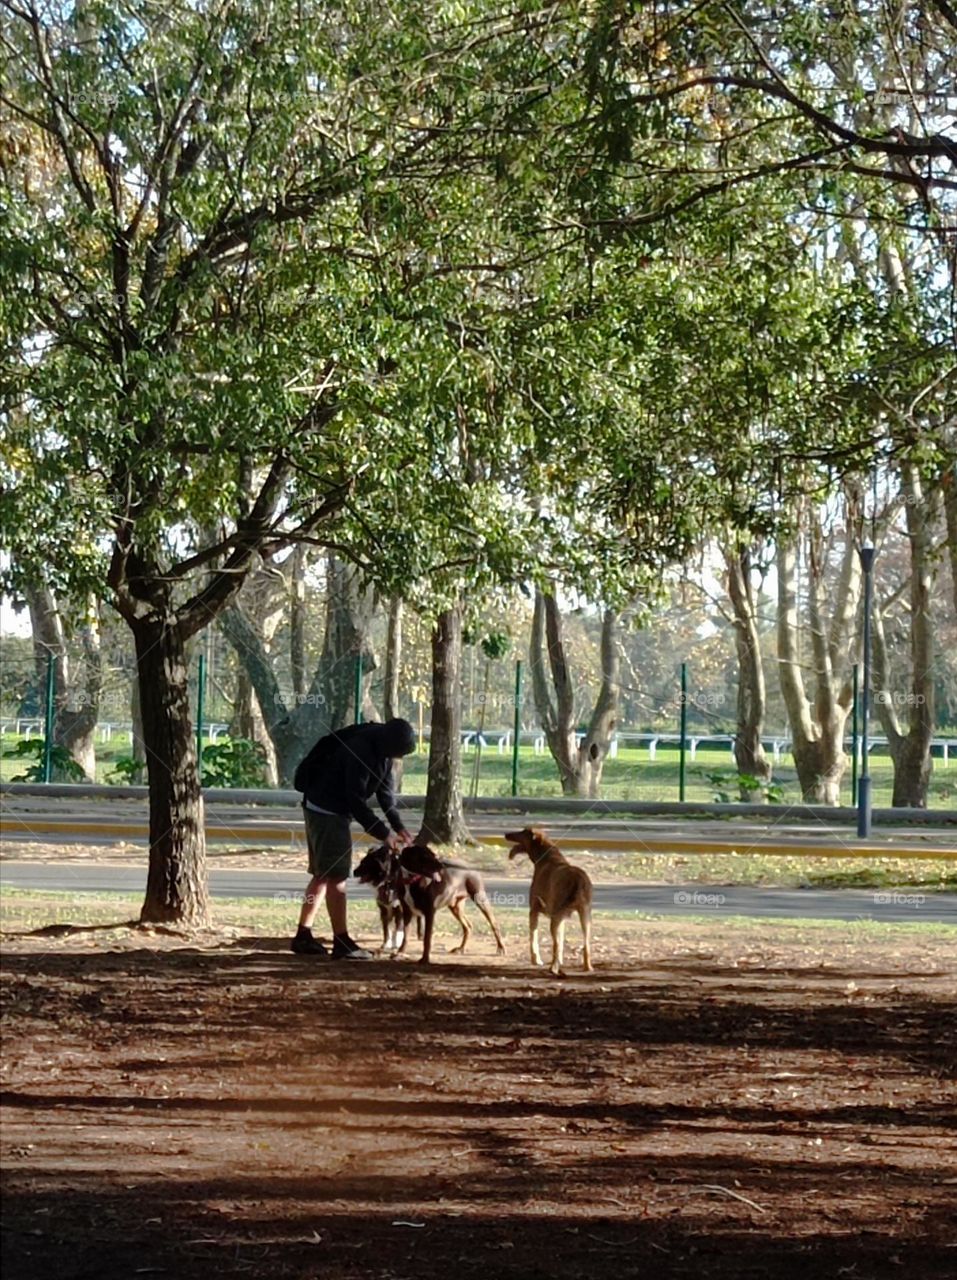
{"x":557,"y":889}
{"x":420,"y":884}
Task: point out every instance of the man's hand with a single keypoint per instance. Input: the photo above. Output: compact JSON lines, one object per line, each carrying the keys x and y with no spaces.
{"x":398,"y":840}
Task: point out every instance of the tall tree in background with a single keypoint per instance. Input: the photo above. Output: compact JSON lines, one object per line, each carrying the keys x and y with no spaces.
{"x":820,"y":651}
{"x":580,"y":763}
{"x":749,"y":754}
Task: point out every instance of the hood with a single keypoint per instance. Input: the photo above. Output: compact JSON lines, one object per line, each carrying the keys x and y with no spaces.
{"x":397,"y":738}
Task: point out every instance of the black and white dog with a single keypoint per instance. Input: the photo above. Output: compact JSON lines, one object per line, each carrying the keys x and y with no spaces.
{"x":417,"y":883}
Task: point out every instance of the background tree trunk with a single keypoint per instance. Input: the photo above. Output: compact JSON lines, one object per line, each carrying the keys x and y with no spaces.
{"x":176,"y":885}
{"x":601,"y":727}
{"x":393,"y":667}
{"x":329,"y":700}
{"x":77,"y":686}
{"x":950,"y":513}
{"x":817,"y":730}
{"x":444,"y":820}
{"x":247,"y":722}
{"x":749,"y":756}
{"x":297,"y":620}
{"x":76,"y":727}
{"x":552,"y":689}
{"x":349,"y":610}
{"x":292,"y":733}
{"x":910,"y":750}
{"x":579,"y":768}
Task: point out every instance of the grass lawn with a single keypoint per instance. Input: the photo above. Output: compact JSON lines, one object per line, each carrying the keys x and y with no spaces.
{"x":632,"y":775}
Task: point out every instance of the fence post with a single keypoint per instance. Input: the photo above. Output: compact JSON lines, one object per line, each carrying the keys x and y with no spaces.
{"x":855,"y":747}
{"x":48,"y":720}
{"x":358,"y":688}
{"x":517,"y":725}
{"x":200,"y":699}
{"x":683,"y":731}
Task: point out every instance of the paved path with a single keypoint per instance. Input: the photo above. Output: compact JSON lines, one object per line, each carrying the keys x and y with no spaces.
{"x":671,"y":900}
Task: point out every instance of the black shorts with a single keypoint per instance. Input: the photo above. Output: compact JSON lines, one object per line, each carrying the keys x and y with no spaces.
{"x":329,"y":837}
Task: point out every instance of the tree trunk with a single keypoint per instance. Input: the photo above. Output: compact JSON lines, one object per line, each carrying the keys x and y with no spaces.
{"x":554,"y":701}
{"x":950,"y":513}
{"x":579,"y":767}
{"x":329,"y":701}
{"x":444,"y":820}
{"x":349,"y":611}
{"x":137,"y":741}
{"x":601,"y":727}
{"x":76,"y":727}
{"x":297,"y":621}
{"x":817,"y":731}
{"x":393,"y":660}
{"x":292,"y":733}
{"x":910,"y":750}
{"x":393,"y":666}
{"x":247,"y":722}
{"x":749,"y":754}
{"x":76,"y":698}
{"x":176,"y":889}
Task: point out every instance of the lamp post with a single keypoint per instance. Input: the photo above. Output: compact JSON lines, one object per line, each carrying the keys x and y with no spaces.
{"x":866,"y":554}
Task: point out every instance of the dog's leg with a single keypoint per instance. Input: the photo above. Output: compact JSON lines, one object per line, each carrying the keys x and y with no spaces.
{"x":398,"y":927}
{"x":558,"y":944}
{"x":584,"y":915}
{"x":481,"y":901}
{"x":385,"y":919}
{"x":533,"y":935}
{"x":406,"y":920}
{"x":456,"y":909}
{"x":427,"y":944}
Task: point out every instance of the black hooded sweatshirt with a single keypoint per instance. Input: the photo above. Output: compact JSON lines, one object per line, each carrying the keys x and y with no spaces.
{"x":358,"y":765}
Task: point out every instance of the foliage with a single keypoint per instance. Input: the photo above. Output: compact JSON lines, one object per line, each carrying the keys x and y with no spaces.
{"x":62,"y":763}
{"x":128,"y":770}
{"x":728,"y":782}
{"x":234,"y":762}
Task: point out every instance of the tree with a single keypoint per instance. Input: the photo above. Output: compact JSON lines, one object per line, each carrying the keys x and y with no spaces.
{"x":749,"y":754}
{"x":579,"y":763}
{"x":910,"y":746}
{"x":182,"y":286}
{"x":818,"y":719}
{"x":443,"y":820}
{"x":76,"y":685}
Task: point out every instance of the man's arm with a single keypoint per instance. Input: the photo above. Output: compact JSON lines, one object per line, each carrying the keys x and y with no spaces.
{"x":385,"y":794}
{"x":357,"y":786}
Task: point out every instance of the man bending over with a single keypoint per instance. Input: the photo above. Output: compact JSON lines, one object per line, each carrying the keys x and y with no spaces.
{"x":337,"y":778}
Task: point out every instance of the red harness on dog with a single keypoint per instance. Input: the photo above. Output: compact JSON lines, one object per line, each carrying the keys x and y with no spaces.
{"x":413,"y":877}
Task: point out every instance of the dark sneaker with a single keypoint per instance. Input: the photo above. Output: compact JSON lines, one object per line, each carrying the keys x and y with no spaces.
{"x":346,"y":949}
{"x":304,"y":944}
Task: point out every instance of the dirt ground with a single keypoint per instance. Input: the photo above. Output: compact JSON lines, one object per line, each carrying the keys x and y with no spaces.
{"x":715,"y":1101}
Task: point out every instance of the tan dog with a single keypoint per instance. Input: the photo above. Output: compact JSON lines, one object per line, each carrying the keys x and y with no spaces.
{"x":557,"y":889}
